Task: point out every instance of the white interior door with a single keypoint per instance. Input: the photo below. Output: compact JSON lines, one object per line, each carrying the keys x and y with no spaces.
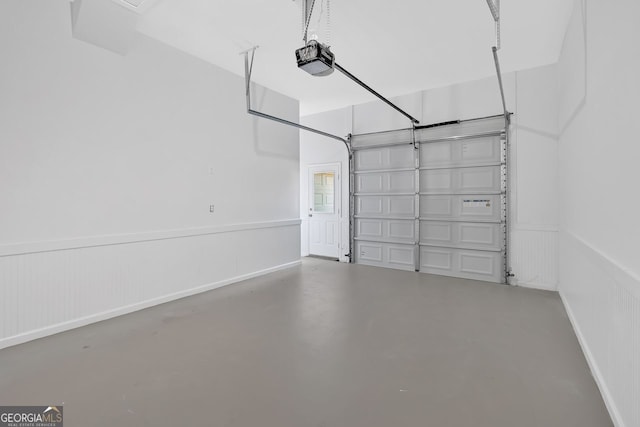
{"x":324,"y":210}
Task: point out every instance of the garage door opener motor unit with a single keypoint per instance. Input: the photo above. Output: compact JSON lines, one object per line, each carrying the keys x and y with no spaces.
{"x":317,"y":59}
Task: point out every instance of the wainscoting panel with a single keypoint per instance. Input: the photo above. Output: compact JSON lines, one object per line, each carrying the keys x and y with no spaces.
{"x":534,"y":258}
{"x":73,"y":284}
{"x":603,"y":303}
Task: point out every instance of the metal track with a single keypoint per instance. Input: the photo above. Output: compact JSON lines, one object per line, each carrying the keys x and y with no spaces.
{"x":367,"y":87}
{"x":248,"y":67}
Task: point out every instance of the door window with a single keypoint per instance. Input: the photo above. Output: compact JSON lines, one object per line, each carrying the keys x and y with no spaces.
{"x":323,"y":192}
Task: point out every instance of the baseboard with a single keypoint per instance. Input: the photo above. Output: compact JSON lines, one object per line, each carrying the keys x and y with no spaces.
{"x":595,"y":371}
{"x":105,"y":315}
{"x":540,"y":286}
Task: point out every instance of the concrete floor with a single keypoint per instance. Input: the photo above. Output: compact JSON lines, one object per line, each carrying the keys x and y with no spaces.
{"x":321,"y":345}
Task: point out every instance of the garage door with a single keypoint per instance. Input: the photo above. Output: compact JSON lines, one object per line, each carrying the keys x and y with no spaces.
{"x":433,"y":199}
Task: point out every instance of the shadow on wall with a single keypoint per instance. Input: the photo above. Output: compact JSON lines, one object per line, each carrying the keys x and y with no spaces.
{"x":578,"y":99}
{"x":265,"y":132}
{"x":576,"y":94}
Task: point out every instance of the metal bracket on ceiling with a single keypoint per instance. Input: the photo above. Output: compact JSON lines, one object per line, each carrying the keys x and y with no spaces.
{"x":494,"y":7}
{"x":307,"y":10}
{"x":248,"y":68}
{"x":499,"y":73}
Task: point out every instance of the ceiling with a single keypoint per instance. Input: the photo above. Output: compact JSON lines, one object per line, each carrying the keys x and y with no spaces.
{"x":395,"y":47}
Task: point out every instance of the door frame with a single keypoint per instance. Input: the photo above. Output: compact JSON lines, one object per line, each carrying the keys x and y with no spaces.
{"x":335,"y":167}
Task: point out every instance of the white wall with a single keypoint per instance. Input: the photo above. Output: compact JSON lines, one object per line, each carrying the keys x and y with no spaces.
{"x":108,"y":165}
{"x":599,"y":175}
{"x":531,"y":97}
{"x":316,"y":150}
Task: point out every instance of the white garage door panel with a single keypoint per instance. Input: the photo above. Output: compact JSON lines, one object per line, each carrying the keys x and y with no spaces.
{"x":369,"y":253}
{"x":481,"y":150}
{"x":370,"y":140}
{"x":467,"y":235}
{"x":385,"y":206}
{"x":437,"y":154}
{"x":401,"y":157}
{"x":386,"y":182}
{"x":473,"y":180}
{"x":401,"y":257}
{"x":436,"y":259}
{"x":398,"y":157}
{"x":470,"y":208}
{"x":466,"y":152}
{"x":390,"y":230}
{"x":478,"y":265}
{"x":440,"y":209}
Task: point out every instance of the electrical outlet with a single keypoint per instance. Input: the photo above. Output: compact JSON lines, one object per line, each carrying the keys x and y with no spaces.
{"x":211,"y":208}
